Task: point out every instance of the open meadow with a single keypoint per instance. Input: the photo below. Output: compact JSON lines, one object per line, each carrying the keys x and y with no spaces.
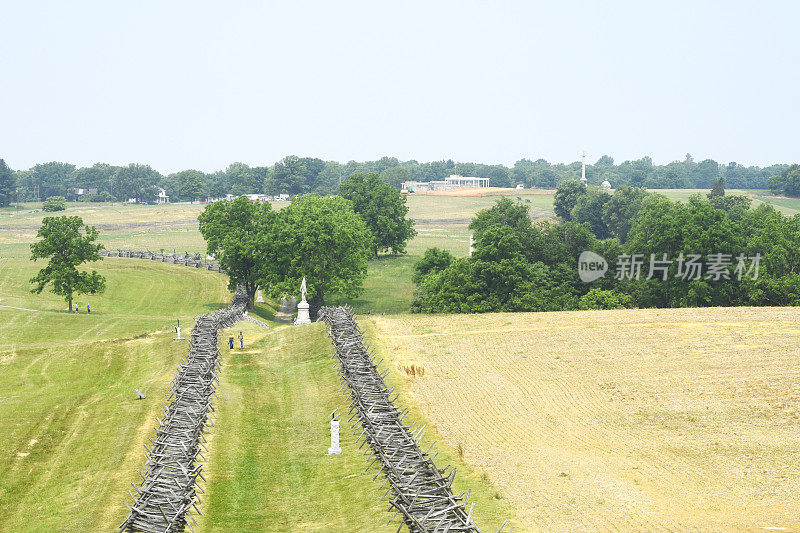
{"x":637,"y":420}
{"x":72,"y":431}
{"x":71,"y":428}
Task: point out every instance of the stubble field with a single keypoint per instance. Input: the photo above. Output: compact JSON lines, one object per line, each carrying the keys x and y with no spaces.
{"x":638,"y":420}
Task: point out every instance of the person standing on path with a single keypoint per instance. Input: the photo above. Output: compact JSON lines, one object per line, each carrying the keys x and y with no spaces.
{"x":241,"y":341}
{"x":230,"y":341}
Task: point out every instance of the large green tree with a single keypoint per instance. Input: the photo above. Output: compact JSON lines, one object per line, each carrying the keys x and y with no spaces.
{"x":321,"y":239}
{"x":718,"y":189}
{"x":395,"y":176}
{"x":53,"y":179}
{"x":188,"y":185}
{"x":233,"y":232}
{"x":383,"y":209}
{"x":787,"y":182}
{"x":566,"y":198}
{"x":136,"y":181}
{"x":243,"y":179}
{"x":98,"y":176}
{"x":504,"y":213}
{"x":288,"y":176}
{"x":621,"y":209}
{"x":68,"y":243}
{"x":8,"y":183}
{"x":589,"y":209}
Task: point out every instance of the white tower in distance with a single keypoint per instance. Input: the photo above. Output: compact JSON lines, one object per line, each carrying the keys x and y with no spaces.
{"x":583,"y":168}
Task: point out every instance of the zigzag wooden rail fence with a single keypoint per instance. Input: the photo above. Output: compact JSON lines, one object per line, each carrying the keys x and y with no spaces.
{"x":193,"y":260}
{"x":168,"y":491}
{"x":421,"y":493}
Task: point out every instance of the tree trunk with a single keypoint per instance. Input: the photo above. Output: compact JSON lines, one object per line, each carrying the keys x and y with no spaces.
{"x":315,"y":304}
{"x":69,"y":305}
{"x":251,"y":297}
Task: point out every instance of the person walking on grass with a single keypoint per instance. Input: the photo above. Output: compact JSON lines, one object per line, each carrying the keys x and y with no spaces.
{"x":88,"y":310}
{"x":230,"y":341}
{"x":241,"y":341}
{"x":76,"y":308}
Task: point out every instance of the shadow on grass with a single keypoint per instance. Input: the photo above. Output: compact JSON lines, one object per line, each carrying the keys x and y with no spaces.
{"x":265,"y":311}
{"x":215,"y":306}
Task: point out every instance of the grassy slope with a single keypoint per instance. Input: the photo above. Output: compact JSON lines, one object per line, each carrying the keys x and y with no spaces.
{"x":71,"y":430}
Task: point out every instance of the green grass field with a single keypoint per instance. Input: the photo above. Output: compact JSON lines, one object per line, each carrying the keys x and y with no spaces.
{"x":269,"y":469}
{"x":72,"y":429}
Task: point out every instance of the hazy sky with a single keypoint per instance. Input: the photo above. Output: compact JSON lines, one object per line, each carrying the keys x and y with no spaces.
{"x":202,"y":84}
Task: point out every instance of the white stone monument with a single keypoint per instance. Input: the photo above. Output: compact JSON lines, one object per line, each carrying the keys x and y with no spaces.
{"x":334,"y":449}
{"x":583,"y":168}
{"x":471,"y":245}
{"x":303,"y":316}
{"x":259,"y":297}
{"x":178,"y":332}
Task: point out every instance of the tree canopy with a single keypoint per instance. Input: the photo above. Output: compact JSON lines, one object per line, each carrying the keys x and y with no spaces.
{"x":321,"y":238}
{"x":325,"y":241}
{"x":233,"y":232}
{"x":136,"y":181}
{"x":8,"y":183}
{"x":68,"y":243}
{"x":787,"y":182}
{"x":566,"y":198}
{"x":383,"y":209}
{"x":707,"y":252}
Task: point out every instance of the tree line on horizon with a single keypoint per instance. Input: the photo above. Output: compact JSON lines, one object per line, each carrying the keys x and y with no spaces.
{"x":300,"y":175}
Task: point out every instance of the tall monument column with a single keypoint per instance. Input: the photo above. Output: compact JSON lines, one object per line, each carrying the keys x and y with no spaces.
{"x":583,"y":168}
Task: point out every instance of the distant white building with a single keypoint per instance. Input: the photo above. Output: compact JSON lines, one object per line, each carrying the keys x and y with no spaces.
{"x":606,"y":185}
{"x":162,"y":197}
{"x":448,"y":184}
{"x":258,"y":197}
{"x":282,"y":198}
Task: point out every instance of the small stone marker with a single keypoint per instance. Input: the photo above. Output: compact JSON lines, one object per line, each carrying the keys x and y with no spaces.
{"x":140,"y":393}
{"x":178,"y":331}
{"x":260,"y":297}
{"x":334,"y":449}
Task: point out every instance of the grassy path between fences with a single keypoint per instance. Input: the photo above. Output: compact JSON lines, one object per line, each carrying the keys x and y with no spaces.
{"x":269,"y":469}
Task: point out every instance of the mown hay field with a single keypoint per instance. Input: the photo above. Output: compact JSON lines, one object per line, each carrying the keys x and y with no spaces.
{"x":635,"y":420}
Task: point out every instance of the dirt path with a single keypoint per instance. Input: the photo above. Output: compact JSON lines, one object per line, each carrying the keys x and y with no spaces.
{"x":287,"y":309}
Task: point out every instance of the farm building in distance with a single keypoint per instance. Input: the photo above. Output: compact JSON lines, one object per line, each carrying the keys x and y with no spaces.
{"x":453,"y":182}
{"x":162,"y":197}
{"x":82,"y":192}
